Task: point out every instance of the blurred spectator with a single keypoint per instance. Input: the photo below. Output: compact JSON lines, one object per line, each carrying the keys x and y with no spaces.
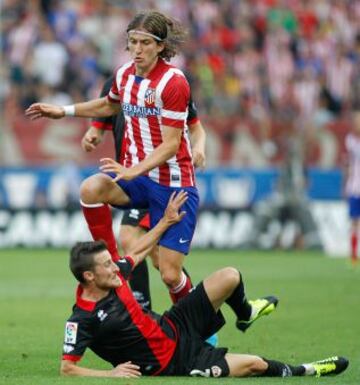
{"x":49,"y":59}
{"x":285,"y":58}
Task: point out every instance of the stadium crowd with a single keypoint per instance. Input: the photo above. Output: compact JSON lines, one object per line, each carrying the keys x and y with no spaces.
{"x":294,"y":61}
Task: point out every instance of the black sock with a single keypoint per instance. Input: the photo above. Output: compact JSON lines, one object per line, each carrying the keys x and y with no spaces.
{"x":238,"y":302}
{"x":279,"y":369}
{"x":139,"y":283}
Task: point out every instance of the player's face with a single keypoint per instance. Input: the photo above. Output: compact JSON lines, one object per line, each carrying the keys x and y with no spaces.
{"x":105,"y":272}
{"x":144,"y":50}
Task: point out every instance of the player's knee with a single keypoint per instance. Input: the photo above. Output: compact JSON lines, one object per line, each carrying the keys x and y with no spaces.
{"x":257,"y":366}
{"x":92,"y":188}
{"x":171,"y":277}
{"x":231,"y":276}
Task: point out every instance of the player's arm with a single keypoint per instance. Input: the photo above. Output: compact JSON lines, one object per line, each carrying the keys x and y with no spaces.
{"x":166,"y":150}
{"x":94,"y":135}
{"x":92,"y":109}
{"x":198,"y":140}
{"x":126,"y":369}
{"x":92,"y":138}
{"x":171,"y":215}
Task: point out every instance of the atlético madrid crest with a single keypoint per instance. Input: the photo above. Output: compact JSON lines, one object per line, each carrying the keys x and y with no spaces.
{"x":150,"y":96}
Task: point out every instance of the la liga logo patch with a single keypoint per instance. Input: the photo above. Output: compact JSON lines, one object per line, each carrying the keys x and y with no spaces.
{"x":71,"y":329}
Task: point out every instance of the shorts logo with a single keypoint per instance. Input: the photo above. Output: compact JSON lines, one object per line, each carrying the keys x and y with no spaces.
{"x":216,"y":371}
{"x":71,"y":332}
{"x":68,"y":348}
{"x":150,"y":96}
{"x":134,"y":213}
{"x":183,"y":240}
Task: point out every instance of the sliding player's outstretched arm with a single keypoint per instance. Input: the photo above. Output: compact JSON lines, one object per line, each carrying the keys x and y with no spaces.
{"x":150,"y":239}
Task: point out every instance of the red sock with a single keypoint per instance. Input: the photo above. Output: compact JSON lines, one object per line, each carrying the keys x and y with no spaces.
{"x":182,"y":289}
{"x":354,"y":243}
{"x":99,"y":219}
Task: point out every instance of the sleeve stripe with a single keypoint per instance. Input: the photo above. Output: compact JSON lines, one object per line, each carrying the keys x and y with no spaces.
{"x":173,"y":123}
{"x":101,"y":125}
{"x":114,"y":96}
{"x":68,"y":357}
{"x":130,"y":260}
{"x":173,"y":114}
{"x":193,"y":120}
{"x":112,"y":100}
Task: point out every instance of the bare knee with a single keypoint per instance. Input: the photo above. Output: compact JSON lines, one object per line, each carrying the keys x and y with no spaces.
{"x":233,"y":275}
{"x":171,"y":277}
{"x":93,"y":188}
{"x":257,"y":366}
{"x":245,"y":365}
{"x":230,"y":276}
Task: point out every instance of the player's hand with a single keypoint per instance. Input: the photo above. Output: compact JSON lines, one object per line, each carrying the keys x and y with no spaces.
{"x":110,"y":165}
{"x":199,"y":158}
{"x":127,"y":370}
{"x":171,"y":214}
{"x":44,"y":110}
{"x":91,"y":139}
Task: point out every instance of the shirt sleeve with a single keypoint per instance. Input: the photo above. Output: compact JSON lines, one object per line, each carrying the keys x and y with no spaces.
{"x":192,"y":115}
{"x":175,"y":98}
{"x":78,"y":336}
{"x":113,"y":93}
{"x":104,"y":123}
{"x":126,"y":266}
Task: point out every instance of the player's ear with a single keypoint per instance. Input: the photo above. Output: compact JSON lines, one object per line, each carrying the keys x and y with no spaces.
{"x":160,"y":46}
{"x":88,"y":276}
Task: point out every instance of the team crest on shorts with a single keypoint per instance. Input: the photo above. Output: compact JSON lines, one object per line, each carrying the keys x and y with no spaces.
{"x":216,"y":371}
{"x":71,"y":332}
{"x":150,"y":96}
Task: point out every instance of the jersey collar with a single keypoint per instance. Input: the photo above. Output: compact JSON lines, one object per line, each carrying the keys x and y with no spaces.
{"x":155,"y":71}
{"x":83,"y":303}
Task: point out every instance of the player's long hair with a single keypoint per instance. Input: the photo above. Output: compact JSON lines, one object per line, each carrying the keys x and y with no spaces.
{"x":169,"y":30}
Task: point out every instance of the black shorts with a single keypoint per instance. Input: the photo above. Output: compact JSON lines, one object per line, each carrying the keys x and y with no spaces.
{"x":136,"y":217}
{"x":195,"y":320}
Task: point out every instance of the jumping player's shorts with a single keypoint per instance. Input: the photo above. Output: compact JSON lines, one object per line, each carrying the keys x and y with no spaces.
{"x":354,"y":207}
{"x":136,"y":217}
{"x":145,"y":193}
{"x":195,"y":321}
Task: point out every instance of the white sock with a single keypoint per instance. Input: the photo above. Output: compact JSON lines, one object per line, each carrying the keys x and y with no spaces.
{"x":309,"y":369}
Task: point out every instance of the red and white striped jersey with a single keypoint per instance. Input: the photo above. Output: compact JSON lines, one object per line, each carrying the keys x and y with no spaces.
{"x":352,"y":144}
{"x":161,"y":99}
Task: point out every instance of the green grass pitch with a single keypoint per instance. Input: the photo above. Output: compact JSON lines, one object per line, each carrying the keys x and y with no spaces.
{"x":318,"y":314}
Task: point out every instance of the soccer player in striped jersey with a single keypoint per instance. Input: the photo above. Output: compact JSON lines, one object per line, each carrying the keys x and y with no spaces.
{"x":154,"y":97}
{"x":352,"y":188}
{"x":135,"y":222}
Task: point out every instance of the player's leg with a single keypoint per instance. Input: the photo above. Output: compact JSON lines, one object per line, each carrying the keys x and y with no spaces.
{"x":170,"y":266}
{"x":227,"y":285}
{"x":96,"y":193}
{"x":357,"y":229}
{"x":354,"y":213}
{"x":132,"y":228}
{"x":243,"y":365}
{"x":175,"y":242}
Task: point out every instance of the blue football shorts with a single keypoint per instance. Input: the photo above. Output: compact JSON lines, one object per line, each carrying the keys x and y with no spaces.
{"x":354,"y":207}
{"x":145,"y":193}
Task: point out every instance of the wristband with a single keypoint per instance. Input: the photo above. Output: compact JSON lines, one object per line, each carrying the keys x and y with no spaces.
{"x":69,"y":110}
